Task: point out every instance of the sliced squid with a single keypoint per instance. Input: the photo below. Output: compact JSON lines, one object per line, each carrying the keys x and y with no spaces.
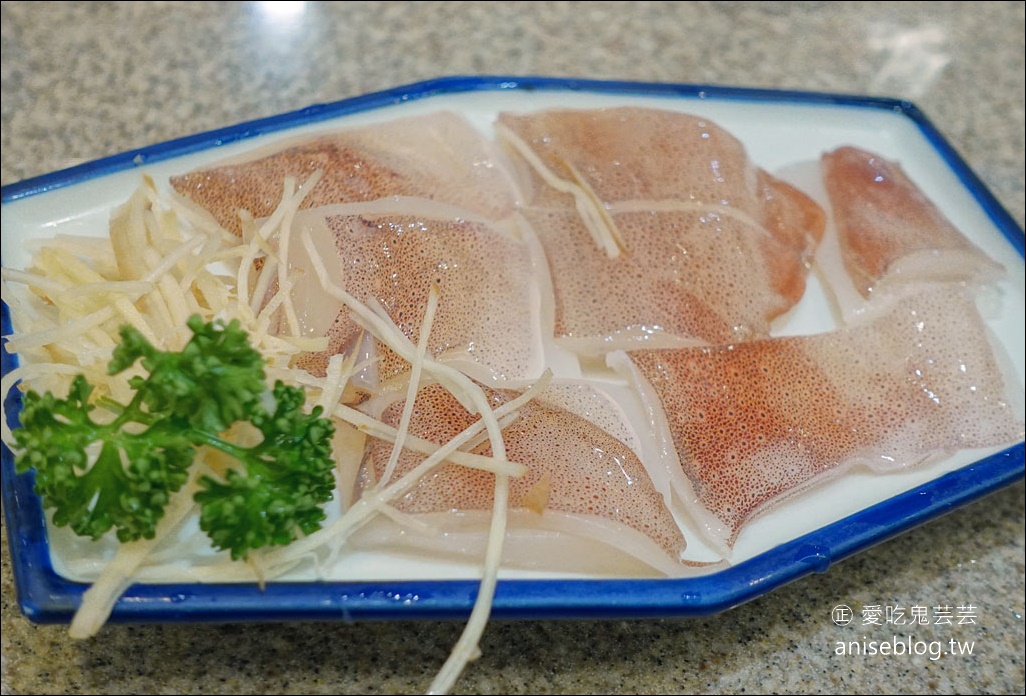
{"x":437,"y":156}
{"x":657,"y":228}
{"x":635,"y":154}
{"x":888,"y":229}
{"x":687,"y":278}
{"x":585,"y":493}
{"x":389,"y":210}
{"x":754,"y":423}
{"x":487,"y":315}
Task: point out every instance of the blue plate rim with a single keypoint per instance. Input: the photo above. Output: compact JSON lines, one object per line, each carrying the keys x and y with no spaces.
{"x":45,"y":597}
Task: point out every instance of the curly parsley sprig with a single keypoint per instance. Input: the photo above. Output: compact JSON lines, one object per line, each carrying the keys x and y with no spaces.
{"x":97,"y":475}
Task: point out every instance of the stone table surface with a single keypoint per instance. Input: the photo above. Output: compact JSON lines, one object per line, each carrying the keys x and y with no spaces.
{"x":83,"y":80}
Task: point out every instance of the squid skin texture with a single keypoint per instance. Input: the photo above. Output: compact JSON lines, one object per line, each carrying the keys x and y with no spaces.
{"x":714,"y":247}
{"x":883,"y":218}
{"x":589,"y":471}
{"x":755,"y":422}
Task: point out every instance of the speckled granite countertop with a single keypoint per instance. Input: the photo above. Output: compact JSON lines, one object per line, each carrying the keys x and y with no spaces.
{"x":84,"y":80}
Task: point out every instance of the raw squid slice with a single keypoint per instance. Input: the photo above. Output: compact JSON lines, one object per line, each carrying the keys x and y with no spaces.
{"x":686,"y":278}
{"x":581,"y":481}
{"x":888,"y":229}
{"x":636,"y":154}
{"x":487,"y":315}
{"x":397,"y":206}
{"x":708,"y":247}
{"x":637,"y":158}
{"x":797,"y":222}
{"x":438,"y":156}
{"x":755,"y":422}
